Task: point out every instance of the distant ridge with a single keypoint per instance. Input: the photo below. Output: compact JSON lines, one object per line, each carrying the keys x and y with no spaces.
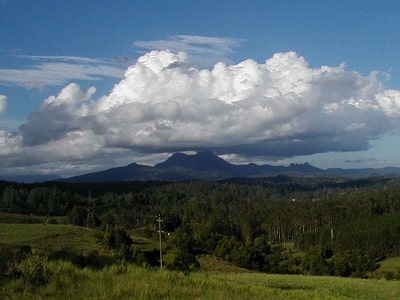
{"x":127,"y":173}
{"x":30,"y":178}
{"x":208,"y":166}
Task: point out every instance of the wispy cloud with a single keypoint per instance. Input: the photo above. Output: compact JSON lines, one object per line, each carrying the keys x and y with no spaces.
{"x":203,"y":50}
{"x":360,"y":161}
{"x":73,"y":59}
{"x":3,"y":103}
{"x":59,"y":70}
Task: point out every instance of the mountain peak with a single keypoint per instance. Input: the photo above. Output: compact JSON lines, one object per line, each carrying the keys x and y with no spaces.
{"x":176,"y":159}
{"x":205,"y":153}
{"x":201,"y":160}
{"x":305,"y":167}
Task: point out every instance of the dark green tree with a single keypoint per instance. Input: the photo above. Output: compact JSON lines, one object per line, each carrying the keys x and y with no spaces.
{"x":77,"y":216}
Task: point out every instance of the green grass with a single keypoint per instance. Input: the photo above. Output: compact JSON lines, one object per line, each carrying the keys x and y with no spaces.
{"x":389,"y":268}
{"x":319,"y":287}
{"x":29,"y":219}
{"x":390,"y":264}
{"x":216,"y":280}
{"x":50,"y":237}
{"x":212,"y":264}
{"x":18,"y":218}
{"x":131,"y":282}
{"x":144,"y":243}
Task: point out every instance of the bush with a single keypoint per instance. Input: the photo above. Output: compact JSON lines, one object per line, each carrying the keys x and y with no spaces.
{"x":179,"y":260}
{"x":139,"y":258}
{"x":389,"y":276}
{"x":77,"y":216}
{"x":10,"y":257}
{"x":51,"y":221}
{"x":234,"y":251}
{"x":34,"y":269}
{"x":118,"y":239}
{"x":353,"y":263}
{"x":314,"y":262}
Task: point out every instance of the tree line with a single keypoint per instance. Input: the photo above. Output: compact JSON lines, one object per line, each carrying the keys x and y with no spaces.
{"x":281,"y":224}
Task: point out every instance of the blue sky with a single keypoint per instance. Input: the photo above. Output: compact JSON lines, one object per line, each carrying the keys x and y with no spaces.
{"x":87,"y":85}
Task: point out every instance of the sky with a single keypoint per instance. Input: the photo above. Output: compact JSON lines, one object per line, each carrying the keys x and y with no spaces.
{"x":89,"y":85}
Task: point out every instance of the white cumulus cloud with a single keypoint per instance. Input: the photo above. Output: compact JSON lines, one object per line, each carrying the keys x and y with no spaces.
{"x":279,"y":108}
{"x":58,"y":116}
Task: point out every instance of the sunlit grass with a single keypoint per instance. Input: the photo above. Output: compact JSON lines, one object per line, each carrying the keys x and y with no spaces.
{"x":130,"y":282}
{"x":29,"y":219}
{"x":50,"y":237}
{"x":389,"y":268}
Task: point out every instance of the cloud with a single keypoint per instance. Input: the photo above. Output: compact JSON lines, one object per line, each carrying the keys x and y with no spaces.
{"x":360,"y":161}
{"x":59,"y":70}
{"x":277,"y":109}
{"x":57,"y":116}
{"x":3,"y":103}
{"x":201,"y":50}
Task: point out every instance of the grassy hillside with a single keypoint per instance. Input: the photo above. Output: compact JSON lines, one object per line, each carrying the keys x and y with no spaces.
{"x":132,"y":282}
{"x":12,"y":218}
{"x":21,"y":219}
{"x":389,"y":268}
{"x":51,"y":237}
{"x":62,"y":278}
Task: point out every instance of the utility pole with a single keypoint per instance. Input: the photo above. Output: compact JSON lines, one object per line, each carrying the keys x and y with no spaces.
{"x":159,"y":220}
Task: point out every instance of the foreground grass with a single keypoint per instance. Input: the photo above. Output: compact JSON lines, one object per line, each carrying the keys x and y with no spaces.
{"x":131,"y":282}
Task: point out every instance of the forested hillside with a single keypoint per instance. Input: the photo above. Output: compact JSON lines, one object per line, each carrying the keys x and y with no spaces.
{"x":280,"y":224}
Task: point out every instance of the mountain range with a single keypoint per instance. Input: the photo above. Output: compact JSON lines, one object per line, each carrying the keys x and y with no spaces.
{"x":208,"y":166}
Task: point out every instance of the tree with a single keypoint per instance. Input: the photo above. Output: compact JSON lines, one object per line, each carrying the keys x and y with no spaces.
{"x":182,"y":238}
{"x":118,"y":239}
{"x":92,"y":220}
{"x":178,"y":259}
{"x":77,"y":216}
{"x":12,"y":200}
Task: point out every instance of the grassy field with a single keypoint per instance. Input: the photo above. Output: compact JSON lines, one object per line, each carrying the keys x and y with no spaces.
{"x":51,"y":237}
{"x":389,"y":268}
{"x":64,"y":279}
{"x":131,"y":282}
{"x":28,"y":219}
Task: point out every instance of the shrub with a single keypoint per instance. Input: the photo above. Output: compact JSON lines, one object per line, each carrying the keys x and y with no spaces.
{"x":118,"y":239}
{"x":34,"y":269}
{"x":51,"y":221}
{"x":180,"y":260}
{"x":77,"y":216}
{"x":389,"y":276}
{"x":138,"y":257}
{"x":10,"y":257}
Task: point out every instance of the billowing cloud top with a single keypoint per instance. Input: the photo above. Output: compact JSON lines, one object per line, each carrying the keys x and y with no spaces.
{"x":279,"y":108}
